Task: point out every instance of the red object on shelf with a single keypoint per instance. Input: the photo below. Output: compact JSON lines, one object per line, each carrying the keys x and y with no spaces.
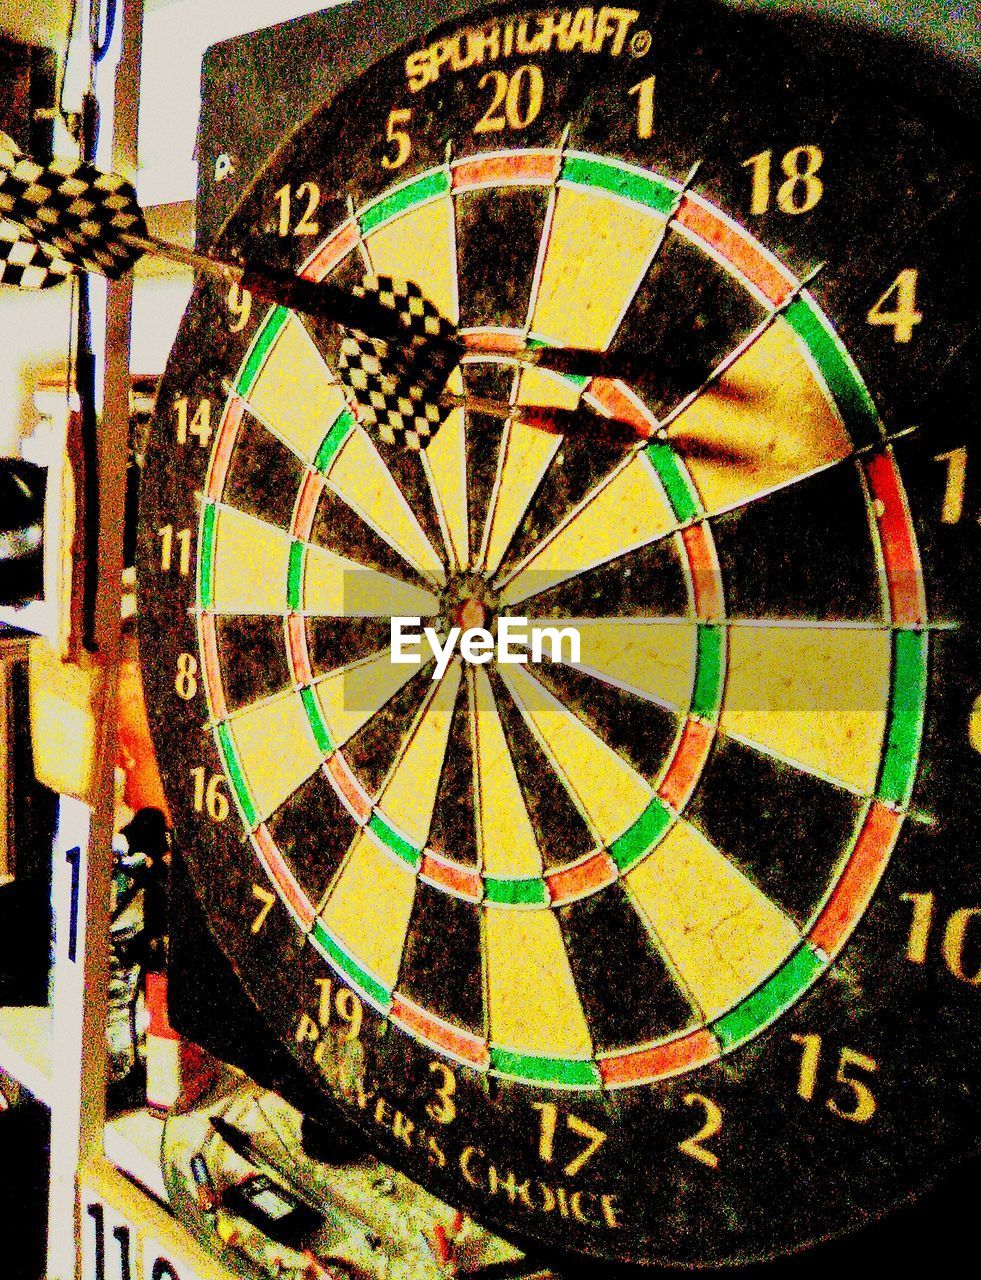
{"x":176,"y":1069}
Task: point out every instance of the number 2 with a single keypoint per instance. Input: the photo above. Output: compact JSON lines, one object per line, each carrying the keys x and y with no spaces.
{"x":713,"y":1123}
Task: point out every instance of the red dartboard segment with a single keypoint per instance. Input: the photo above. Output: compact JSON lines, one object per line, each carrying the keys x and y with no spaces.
{"x":353,"y":795}
{"x":736,"y":247}
{"x":212,"y":667}
{"x":450,"y":876}
{"x":307,"y":500}
{"x":617,"y":401}
{"x":690,"y":757}
{"x":451,"y":1040}
{"x":272,"y":860}
{"x":705,"y":573}
{"x":854,"y":889}
{"x":660,"y":1061}
{"x":331,"y":252}
{"x":594,"y":873}
{"x":898,"y":540}
{"x":221,"y":455}
{"x":297,"y":648}
{"x":535,"y":168}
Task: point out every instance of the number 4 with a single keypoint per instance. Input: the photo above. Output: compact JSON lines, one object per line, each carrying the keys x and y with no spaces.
{"x":903,"y":317}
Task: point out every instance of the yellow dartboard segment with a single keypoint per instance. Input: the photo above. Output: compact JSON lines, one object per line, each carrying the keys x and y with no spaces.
{"x":261,"y":734}
{"x":350,"y":696}
{"x":445,"y":460}
{"x":532,"y":1000}
{"x":334,"y":587}
{"x":817,"y":696}
{"x":654,"y":657}
{"x":609,"y":793}
{"x":359,"y":476}
{"x":527,"y":452}
{"x":368,"y":907}
{"x":409,"y":795}
{"x":420,"y":245}
{"x":250,"y":564}
{"x":294,"y":394}
{"x":627,"y":511}
{"x":590,"y":277}
{"x":766,"y":421}
{"x":505,"y":837}
{"x":719,"y":933}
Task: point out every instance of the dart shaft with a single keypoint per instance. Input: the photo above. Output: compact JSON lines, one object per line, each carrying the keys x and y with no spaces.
{"x":323,"y":299}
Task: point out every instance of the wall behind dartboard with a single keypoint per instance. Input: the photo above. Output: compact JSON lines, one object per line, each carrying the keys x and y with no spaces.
{"x":256,"y":88}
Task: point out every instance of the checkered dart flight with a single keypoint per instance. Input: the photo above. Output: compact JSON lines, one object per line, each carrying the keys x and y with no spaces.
{"x":397,"y":350}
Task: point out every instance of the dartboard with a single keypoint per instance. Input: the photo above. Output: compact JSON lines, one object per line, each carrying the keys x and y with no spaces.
{"x":656,"y":938}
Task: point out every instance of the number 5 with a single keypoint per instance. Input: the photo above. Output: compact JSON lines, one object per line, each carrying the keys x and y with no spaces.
{"x":400,"y":115}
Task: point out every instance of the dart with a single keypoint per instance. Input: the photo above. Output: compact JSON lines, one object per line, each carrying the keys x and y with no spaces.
{"x":68,"y":215}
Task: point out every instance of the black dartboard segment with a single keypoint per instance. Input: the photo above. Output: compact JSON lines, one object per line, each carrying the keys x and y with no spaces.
{"x":626,"y":955}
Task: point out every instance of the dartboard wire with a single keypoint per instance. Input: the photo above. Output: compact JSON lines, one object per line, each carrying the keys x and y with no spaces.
{"x":444,"y":527}
{"x":407,"y":740}
{"x":811,"y":770}
{"x":720,"y":369}
{"x":630,"y":295}
{"x":360,"y":244}
{"x":655,"y":253}
{"x":873,"y":449}
{"x":613,"y":682}
{"x":737,"y":352}
{"x":418,"y":570}
{"x":567,"y":782}
{"x":474,"y":766}
{"x":536,"y":284}
{"x":454,"y":316}
{"x":660,"y":946}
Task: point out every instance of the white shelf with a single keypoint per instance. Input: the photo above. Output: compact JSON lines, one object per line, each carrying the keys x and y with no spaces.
{"x":25,"y":1048}
{"x":132,"y":1143}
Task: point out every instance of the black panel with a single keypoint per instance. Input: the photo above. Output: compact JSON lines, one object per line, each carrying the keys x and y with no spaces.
{"x":783,"y":827}
{"x":336,"y":642}
{"x":648,"y":583}
{"x":687,"y":315}
{"x":264,"y":476}
{"x":453,"y":830}
{"x":638,"y":730}
{"x":441,"y":967}
{"x":498,"y":237}
{"x":803,"y":552}
{"x":313,"y":831}
{"x":559,"y":828}
{"x":252,"y":651}
{"x":626,"y":988}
